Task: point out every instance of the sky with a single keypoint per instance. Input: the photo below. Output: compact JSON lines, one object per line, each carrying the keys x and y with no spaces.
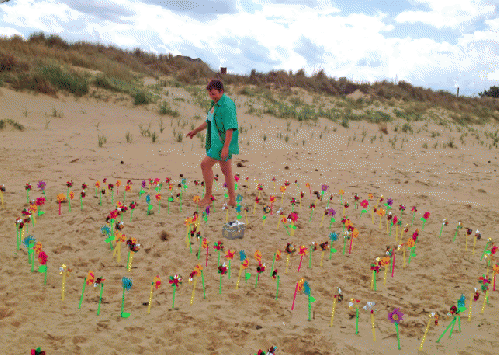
{"x":437,"y":44}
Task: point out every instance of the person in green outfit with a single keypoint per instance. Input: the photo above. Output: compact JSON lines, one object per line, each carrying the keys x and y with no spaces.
{"x":222,"y":140}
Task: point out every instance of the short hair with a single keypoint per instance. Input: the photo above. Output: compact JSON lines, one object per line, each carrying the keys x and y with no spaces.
{"x":215,"y":84}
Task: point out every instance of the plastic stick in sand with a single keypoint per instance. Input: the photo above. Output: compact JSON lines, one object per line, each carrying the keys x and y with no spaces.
{"x":287,"y":263}
{"x":332,"y":313}
{"x":91,"y":275}
{"x":393,"y":262}
{"x":193,"y":289}
{"x":277,"y":289}
{"x":299,"y":284}
{"x":64,"y":272}
{"x":130,"y":258}
{"x":474,"y":241}
{"x":100,"y":297}
{"x":445,"y":331}
{"x":470,"y":307}
{"x":485,"y":301}
{"x":372,"y":323}
{"x":457,"y":229}
{"x":425,"y":332}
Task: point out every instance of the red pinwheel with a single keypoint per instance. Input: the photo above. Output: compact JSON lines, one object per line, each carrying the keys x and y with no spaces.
{"x":218,"y":246}
{"x":175,"y":280}
{"x":222,"y":269}
{"x":260,"y":268}
{"x":69,"y":183}
{"x":364,"y":204}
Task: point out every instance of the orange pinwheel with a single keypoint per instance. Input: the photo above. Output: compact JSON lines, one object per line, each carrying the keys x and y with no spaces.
{"x":348,"y":223}
{"x":118,"y":183}
{"x":258,"y":256}
{"x":170,"y":187}
{"x":283,"y":219}
{"x":188,"y":222}
{"x":230,"y":254}
{"x":198,"y":269}
{"x":97,"y":184}
{"x":61,"y":197}
{"x":205,"y":243}
{"x":300,"y":284}
{"x":37,"y":248}
{"x":278,"y":255}
{"x":33,"y":208}
{"x":495,"y":268}
{"x":120,"y":237}
{"x":272,"y":199}
{"x":158,"y":197}
{"x":303,"y":250}
{"x":245,"y":263}
{"x":410,"y":243}
{"x":342,"y":192}
{"x":381,"y":212}
{"x":370,"y":196}
{"x":385,"y":261}
{"x":283,"y":189}
{"x":196,"y":198}
{"x":90,"y":278}
{"x":355,"y":232}
{"x":156,"y":281}
{"x":128,"y":188}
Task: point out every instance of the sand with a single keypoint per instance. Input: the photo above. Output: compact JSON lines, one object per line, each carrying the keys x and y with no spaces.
{"x":456,"y":184}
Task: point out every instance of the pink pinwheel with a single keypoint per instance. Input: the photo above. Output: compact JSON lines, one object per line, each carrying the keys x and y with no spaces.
{"x":364,"y":204}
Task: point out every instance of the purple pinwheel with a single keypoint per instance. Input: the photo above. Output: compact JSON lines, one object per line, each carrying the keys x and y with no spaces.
{"x":395,"y":316}
{"x":389,"y":201}
{"x":41,"y":185}
{"x":331,"y":212}
{"x":324,"y":187}
{"x":143,"y":183}
{"x":208,"y":210}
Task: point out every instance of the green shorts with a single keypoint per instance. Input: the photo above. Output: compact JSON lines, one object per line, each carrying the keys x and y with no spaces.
{"x":216,"y":155}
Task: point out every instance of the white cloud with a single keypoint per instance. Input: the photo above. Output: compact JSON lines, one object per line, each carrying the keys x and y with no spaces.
{"x":9,"y":32}
{"x":49,"y":15}
{"x":447,"y":13}
{"x":493,"y":76}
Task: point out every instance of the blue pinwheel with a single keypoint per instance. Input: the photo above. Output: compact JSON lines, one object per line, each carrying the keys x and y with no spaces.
{"x":127,"y":285}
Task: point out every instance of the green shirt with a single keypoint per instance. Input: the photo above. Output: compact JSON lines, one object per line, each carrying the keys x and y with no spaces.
{"x":224,"y":118}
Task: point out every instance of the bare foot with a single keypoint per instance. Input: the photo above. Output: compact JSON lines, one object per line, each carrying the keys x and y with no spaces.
{"x":204,"y":202}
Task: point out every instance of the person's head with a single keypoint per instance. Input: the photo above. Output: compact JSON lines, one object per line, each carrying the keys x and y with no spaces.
{"x":215,"y":89}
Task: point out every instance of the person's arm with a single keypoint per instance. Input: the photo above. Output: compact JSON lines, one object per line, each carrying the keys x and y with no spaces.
{"x":228,"y":137}
{"x":201,"y":127}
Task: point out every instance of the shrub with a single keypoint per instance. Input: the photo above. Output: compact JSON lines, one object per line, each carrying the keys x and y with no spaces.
{"x":63,"y":80}
{"x":141,"y":98}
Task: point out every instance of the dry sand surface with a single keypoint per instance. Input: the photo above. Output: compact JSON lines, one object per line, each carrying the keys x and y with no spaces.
{"x":456,"y":184}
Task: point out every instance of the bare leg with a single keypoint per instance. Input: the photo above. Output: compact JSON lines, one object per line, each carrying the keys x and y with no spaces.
{"x":226,"y":167}
{"x":207,"y":169}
